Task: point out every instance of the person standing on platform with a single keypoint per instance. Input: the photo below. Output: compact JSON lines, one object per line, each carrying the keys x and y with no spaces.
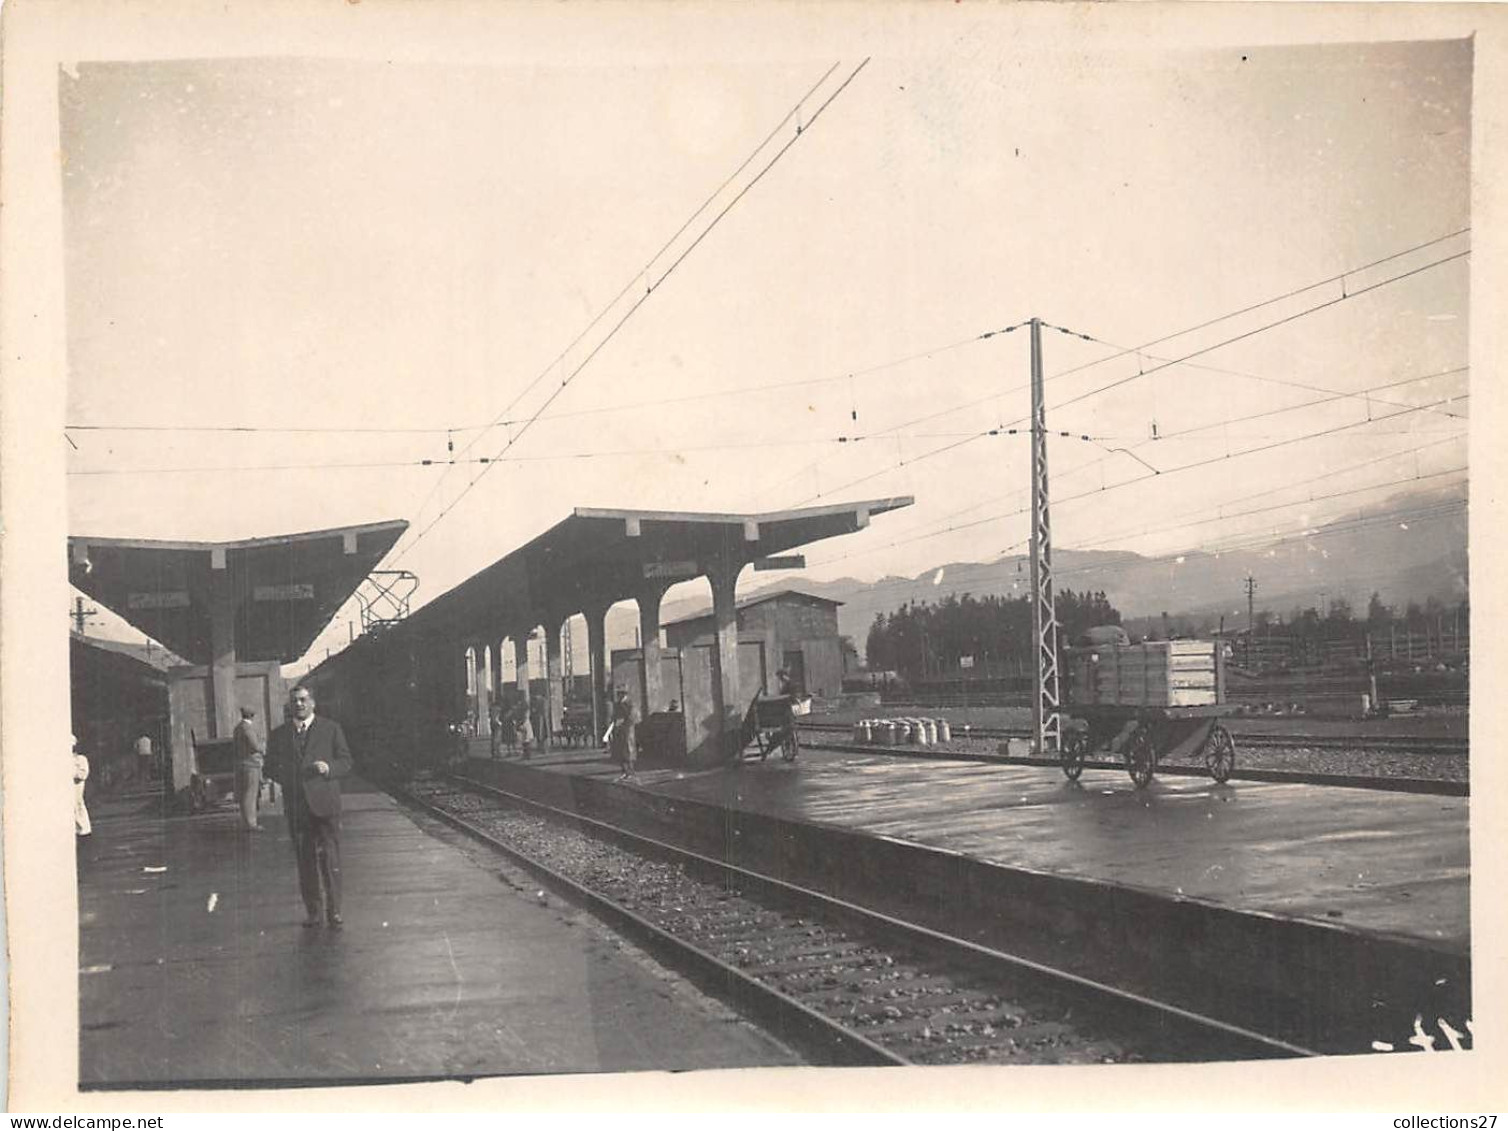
{"x":309,"y":757}
{"x":624,"y":747}
{"x":523,"y":728}
{"x":499,"y":719}
{"x":539,"y":712}
{"x":144,"y":759}
{"x":81,"y":825}
{"x":248,"y":769}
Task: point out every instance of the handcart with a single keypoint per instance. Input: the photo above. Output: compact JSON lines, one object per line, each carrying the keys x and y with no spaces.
{"x":770,"y":724}
{"x":213,"y":777}
{"x":1144,"y":736}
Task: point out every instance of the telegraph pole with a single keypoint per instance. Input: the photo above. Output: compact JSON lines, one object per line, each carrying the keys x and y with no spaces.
{"x":1251,"y":617}
{"x":80,"y":615}
{"x":1046,"y":725}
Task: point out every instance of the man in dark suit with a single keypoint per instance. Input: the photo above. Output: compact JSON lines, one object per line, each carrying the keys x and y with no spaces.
{"x":309,"y":755}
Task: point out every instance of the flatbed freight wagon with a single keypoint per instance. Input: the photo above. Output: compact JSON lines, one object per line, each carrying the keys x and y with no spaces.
{"x":1145,"y":701}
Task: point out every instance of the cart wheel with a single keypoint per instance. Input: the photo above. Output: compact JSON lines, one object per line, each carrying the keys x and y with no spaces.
{"x":790,"y":746}
{"x":1141,"y":758}
{"x":1071,"y":753}
{"x":1220,"y":754}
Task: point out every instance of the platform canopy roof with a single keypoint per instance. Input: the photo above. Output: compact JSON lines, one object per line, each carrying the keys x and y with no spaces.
{"x":594,"y":558}
{"x":278,"y":592}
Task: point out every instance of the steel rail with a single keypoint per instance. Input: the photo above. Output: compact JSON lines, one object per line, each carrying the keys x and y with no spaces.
{"x":1438,"y":786}
{"x":1234,"y":1041}
{"x":1393,"y":743}
{"x":821,"y":1039}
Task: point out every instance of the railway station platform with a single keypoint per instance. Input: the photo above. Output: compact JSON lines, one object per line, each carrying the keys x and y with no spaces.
{"x":1294,"y":892}
{"x":195,"y":968}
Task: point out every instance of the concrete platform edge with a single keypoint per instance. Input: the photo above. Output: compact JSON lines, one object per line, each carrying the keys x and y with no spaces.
{"x":1321,"y":985}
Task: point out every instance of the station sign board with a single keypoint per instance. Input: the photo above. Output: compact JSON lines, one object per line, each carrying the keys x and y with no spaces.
{"x":296,"y":592}
{"x":783,"y":561}
{"x":681,"y":569}
{"x":966,"y":661}
{"x":165,"y":599}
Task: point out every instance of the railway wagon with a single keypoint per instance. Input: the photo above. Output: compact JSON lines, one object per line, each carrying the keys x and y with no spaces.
{"x":1145,"y":702}
{"x":393,"y":705}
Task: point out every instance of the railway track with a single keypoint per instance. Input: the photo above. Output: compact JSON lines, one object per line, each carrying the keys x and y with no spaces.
{"x":843,"y":984}
{"x":1398,"y":744}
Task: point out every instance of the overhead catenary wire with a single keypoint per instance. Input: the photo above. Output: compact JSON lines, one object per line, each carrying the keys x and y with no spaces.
{"x":1099,"y":491}
{"x":564,"y":414}
{"x":1196,"y":464}
{"x":1125,"y":380}
{"x":933,"y":529}
{"x":633,"y":279}
{"x":565,"y":383}
{"x":1121,"y":352}
{"x":1098,"y":441}
{"x":1346,"y":297}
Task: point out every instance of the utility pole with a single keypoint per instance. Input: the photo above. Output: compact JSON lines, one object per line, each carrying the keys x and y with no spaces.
{"x":1371,"y":677}
{"x":1046,"y":725}
{"x":1251,"y":616}
{"x":80,"y":614}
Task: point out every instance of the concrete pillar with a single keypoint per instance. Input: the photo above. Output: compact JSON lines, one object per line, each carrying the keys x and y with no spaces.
{"x":462,"y":702}
{"x":521,"y":661}
{"x":727,"y":695}
{"x":596,"y":636}
{"x":222,"y":670}
{"x":554,"y":674}
{"x":484,"y":679}
{"x":649,"y":598}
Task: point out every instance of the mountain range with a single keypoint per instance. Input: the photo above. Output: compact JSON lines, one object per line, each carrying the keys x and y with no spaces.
{"x":1410,"y":548}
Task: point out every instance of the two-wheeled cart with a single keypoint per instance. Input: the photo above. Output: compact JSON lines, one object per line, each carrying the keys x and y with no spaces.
{"x":1144,"y":736}
{"x":770,"y":724}
{"x":1147,"y":703}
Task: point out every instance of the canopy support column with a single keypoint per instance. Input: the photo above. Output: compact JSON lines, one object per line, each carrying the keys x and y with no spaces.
{"x":554,"y":676}
{"x":596,"y":636}
{"x":653,"y":685}
{"x":727,"y":696}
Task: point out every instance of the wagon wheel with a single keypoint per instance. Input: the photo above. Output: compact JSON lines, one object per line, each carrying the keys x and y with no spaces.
{"x":1220,"y":753}
{"x":1071,"y":748}
{"x":789,"y":745}
{"x":1141,"y":757}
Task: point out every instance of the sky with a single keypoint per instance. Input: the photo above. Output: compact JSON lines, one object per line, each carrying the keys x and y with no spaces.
{"x":363,"y":264}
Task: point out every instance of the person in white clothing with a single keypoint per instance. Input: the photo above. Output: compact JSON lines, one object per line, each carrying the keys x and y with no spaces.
{"x":82,"y":827}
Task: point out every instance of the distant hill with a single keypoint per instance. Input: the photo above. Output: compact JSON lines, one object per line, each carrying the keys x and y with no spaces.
{"x":1412,"y":548}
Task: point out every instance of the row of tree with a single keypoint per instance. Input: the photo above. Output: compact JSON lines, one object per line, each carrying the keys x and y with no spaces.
{"x":1337,"y":621}
{"x":922,"y":640}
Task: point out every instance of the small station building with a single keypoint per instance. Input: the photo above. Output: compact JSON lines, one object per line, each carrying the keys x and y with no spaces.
{"x":789,"y":629}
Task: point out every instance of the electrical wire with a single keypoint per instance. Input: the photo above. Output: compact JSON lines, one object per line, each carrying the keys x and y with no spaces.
{"x":1125,"y":380}
{"x":638,"y":303}
{"x":1126,"y":351}
{"x":1128,"y":482}
{"x":642,"y":273}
